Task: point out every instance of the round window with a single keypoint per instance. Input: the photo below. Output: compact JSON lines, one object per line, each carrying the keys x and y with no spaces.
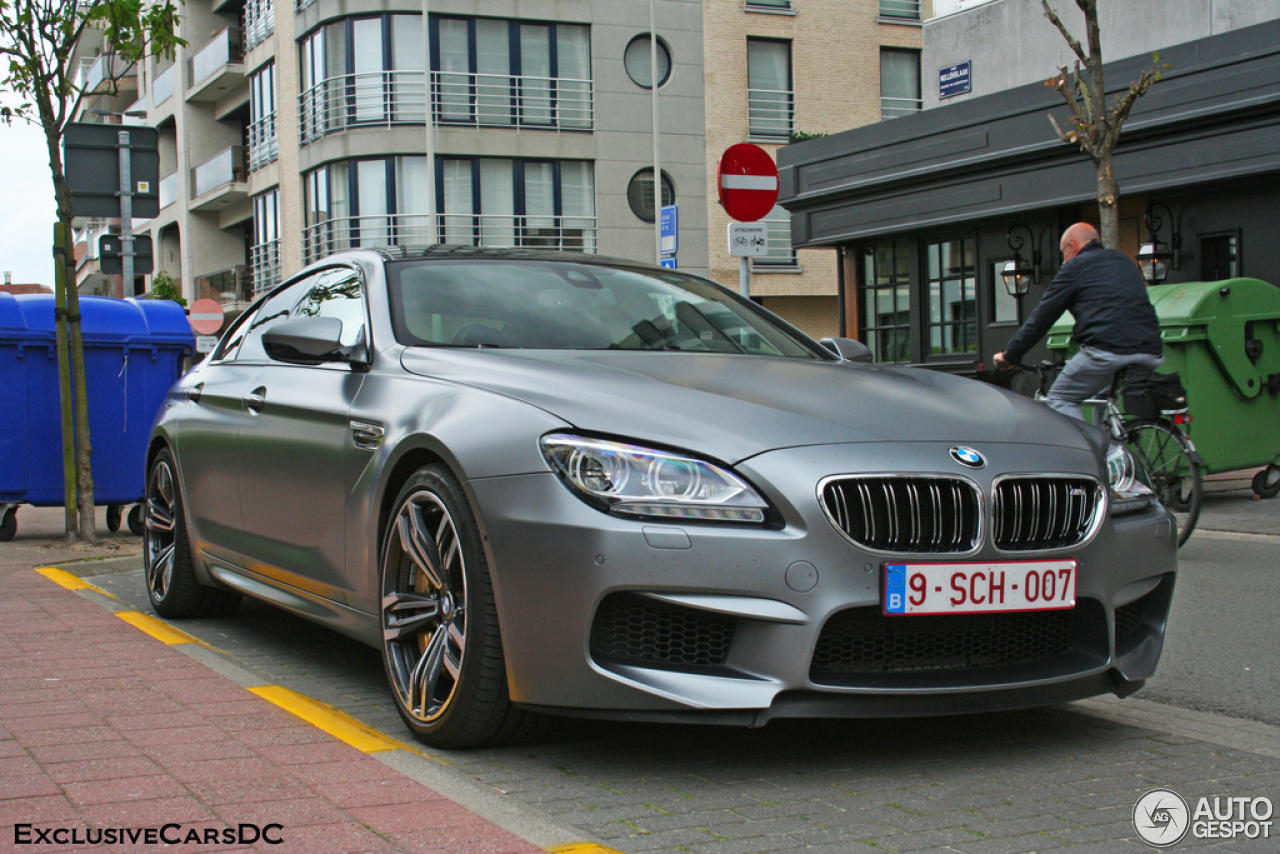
{"x":639,"y":64}
{"x":640,"y":194}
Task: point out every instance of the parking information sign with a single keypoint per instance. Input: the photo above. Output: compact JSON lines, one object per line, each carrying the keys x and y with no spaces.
{"x":669,"y":236}
{"x":748,"y":239}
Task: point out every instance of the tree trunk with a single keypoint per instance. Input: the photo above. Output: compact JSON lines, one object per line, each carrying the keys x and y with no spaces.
{"x":1108,"y":204}
{"x":64,"y":381}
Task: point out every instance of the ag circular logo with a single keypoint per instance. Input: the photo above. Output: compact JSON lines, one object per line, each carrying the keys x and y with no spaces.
{"x":1161,"y":818}
{"x":967,"y":457}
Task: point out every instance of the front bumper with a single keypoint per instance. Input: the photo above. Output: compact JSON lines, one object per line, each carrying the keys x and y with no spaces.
{"x":615,"y":617}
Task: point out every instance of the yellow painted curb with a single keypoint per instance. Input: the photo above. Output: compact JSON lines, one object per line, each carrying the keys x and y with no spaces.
{"x":323,"y":716}
{"x":65,"y":579}
{"x":583,"y":848}
{"x":158,"y":630}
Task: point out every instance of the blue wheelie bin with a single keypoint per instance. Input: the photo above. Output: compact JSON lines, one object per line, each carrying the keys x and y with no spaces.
{"x":134,"y":351}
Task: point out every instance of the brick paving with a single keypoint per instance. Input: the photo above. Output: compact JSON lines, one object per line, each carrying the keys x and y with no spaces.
{"x":1057,"y":779}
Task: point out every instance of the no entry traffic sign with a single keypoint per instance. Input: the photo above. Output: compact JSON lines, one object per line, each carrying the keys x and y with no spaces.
{"x":206,"y":316}
{"x":748,"y":182}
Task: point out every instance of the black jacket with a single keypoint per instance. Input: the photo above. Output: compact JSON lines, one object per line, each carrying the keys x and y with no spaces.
{"x":1104,"y":291}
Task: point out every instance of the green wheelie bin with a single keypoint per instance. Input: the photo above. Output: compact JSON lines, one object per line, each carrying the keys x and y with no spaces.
{"x":1223,"y":339}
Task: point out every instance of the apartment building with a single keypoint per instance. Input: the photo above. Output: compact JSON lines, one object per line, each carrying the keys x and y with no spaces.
{"x":287,"y":133}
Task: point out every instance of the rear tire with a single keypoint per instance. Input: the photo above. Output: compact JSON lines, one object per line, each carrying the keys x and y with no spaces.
{"x":442,"y":649}
{"x":8,"y":524}
{"x":1170,"y":462}
{"x":113,"y":517}
{"x":167,"y":564}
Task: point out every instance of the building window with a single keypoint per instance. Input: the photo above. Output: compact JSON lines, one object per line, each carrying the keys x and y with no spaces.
{"x":885,"y":319}
{"x":490,"y":201}
{"x":906,"y":10}
{"x":781,"y":254}
{"x":265,"y":253}
{"x":494,"y":72}
{"x":264,"y":145}
{"x":1219,"y":256}
{"x":376,"y":202}
{"x":639,"y":64}
{"x":770,"y":98}
{"x":952,"y":296}
{"x":362,"y":71}
{"x":640,"y":194}
{"x":768,"y":5}
{"x":259,"y":22}
{"x":899,"y":82}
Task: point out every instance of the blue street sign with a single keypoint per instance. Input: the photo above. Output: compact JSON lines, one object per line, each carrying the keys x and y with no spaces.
{"x":954,"y":80}
{"x":668,"y":236}
{"x":669,"y":262}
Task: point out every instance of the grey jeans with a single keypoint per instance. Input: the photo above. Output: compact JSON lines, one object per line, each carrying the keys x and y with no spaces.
{"x":1089,"y":372}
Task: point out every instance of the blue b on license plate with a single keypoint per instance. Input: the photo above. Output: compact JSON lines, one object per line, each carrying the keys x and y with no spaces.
{"x":979,"y":588}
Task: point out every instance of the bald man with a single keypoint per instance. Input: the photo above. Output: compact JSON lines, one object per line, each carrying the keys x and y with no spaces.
{"x":1116,"y":327}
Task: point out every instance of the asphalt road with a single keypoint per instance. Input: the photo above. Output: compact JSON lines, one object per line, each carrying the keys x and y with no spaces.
{"x":1221,"y":653}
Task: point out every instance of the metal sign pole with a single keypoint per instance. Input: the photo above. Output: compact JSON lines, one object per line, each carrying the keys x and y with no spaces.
{"x":744,"y":277}
{"x":126,"y":215}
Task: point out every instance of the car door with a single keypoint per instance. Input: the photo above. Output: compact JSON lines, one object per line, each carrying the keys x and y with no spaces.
{"x":293,"y":448}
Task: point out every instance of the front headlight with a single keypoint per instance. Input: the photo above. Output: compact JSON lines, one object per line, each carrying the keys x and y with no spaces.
{"x":1124,"y":477}
{"x":635,"y":481}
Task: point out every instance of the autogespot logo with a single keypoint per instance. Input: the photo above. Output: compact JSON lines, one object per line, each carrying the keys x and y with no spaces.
{"x":967,"y":457}
{"x":1161,"y":818}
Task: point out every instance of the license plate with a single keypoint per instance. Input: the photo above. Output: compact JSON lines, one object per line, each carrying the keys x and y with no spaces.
{"x":979,"y":588}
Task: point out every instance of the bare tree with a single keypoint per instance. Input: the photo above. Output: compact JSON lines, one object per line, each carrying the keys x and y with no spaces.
{"x":38,"y":41}
{"x":1091,"y":124}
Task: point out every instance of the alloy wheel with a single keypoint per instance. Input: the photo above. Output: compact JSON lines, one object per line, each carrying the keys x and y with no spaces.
{"x":159,"y":537}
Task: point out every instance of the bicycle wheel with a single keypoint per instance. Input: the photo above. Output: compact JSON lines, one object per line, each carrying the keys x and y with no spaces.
{"x":1169,"y":460}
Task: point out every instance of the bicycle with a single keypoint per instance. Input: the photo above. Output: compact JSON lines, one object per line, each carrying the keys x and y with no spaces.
{"x":1157,"y":442}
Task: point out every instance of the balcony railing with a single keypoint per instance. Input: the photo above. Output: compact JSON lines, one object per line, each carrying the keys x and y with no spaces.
{"x":259,"y":22}
{"x":570,"y":233}
{"x":489,"y":100}
{"x":168,"y":189}
{"x":104,"y":68}
{"x":225,"y":167}
{"x":229,"y":286}
{"x":906,"y":9}
{"x":894,"y":108}
{"x":264,"y":145}
{"x":227,"y":47}
{"x":265,"y":258}
{"x":164,"y":84}
{"x":771,"y":114}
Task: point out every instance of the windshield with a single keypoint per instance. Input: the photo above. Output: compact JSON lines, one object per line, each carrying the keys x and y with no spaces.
{"x":564,"y":305}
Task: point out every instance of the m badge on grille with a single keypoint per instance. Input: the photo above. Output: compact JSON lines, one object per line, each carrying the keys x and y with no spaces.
{"x":967,"y":457}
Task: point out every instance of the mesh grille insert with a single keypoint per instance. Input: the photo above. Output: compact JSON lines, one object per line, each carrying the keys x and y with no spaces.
{"x":864,"y":641}
{"x":1031,"y":513}
{"x":632,"y":628}
{"x":922,"y":515}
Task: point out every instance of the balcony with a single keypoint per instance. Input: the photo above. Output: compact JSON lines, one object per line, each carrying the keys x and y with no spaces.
{"x":163,"y":85}
{"x":218,"y":67}
{"x":233,"y":287}
{"x":894,"y":108}
{"x":568,"y":233}
{"x":264,"y":145}
{"x":477,"y":100}
{"x":771,"y":115}
{"x":168,"y":190}
{"x":97,"y":75}
{"x":259,"y":22}
{"x":265,"y":258}
{"x":219,"y":181}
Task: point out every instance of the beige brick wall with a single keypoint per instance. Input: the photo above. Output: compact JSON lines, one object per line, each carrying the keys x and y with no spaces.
{"x":835,"y":55}
{"x":817,"y":316}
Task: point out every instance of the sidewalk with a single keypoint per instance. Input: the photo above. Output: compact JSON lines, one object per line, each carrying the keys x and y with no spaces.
{"x":105,"y":729}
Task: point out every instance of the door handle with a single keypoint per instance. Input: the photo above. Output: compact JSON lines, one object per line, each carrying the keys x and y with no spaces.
{"x":193,"y":393}
{"x":256,"y":399}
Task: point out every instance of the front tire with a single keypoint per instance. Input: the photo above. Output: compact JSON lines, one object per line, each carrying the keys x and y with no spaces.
{"x":167,"y":565}
{"x":442,"y":649}
{"x":1175,"y":475}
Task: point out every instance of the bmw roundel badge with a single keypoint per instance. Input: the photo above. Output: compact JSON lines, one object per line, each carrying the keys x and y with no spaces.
{"x":967,"y":457}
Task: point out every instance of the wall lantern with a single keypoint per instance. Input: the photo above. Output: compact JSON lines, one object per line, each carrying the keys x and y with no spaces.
{"x":1156,"y":257}
{"x":1019,"y":274}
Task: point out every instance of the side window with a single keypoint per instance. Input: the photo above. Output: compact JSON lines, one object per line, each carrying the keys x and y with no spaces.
{"x":273,"y":310}
{"x":336,"y":293}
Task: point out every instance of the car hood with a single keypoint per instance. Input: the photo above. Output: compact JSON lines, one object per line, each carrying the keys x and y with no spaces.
{"x":733,"y":407}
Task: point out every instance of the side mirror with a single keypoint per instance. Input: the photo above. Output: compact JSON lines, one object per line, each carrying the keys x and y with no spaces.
{"x":310,"y":341}
{"x":848,"y":350}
